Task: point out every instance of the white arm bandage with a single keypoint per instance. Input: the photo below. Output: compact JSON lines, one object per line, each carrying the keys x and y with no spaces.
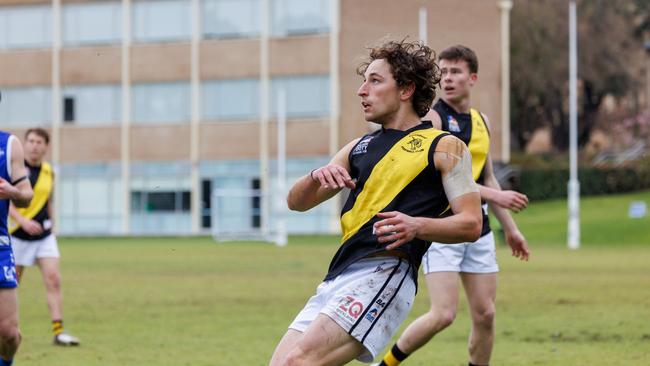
{"x":458,"y":180}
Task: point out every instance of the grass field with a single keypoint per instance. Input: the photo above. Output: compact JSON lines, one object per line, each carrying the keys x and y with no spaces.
{"x":190,"y":301}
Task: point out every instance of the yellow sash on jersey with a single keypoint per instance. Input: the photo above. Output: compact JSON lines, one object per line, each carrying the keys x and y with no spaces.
{"x":403,"y":162}
{"x":479,"y":143}
{"x":42,"y":190}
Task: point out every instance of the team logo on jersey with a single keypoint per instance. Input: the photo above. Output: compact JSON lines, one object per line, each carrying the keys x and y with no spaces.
{"x":453,"y":124}
{"x":414,"y":145}
{"x":362,"y":146}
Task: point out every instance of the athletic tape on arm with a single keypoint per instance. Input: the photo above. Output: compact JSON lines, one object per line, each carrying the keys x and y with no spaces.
{"x":458,"y":180}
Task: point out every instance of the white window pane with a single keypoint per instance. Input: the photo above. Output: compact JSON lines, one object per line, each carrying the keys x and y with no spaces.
{"x":299,"y":17}
{"x":92,"y":23}
{"x":26,"y":106}
{"x":155,"y":21}
{"x":231,"y":18}
{"x":26,"y":27}
{"x":93,"y":196}
{"x":93,"y":104}
{"x":306,"y":96}
{"x":230,"y":99}
{"x":161,"y":102}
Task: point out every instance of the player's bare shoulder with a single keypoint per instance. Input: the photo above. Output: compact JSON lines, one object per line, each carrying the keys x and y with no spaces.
{"x":449,"y":151}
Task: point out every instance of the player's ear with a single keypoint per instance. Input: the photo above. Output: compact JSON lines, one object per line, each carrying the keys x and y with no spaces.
{"x":407,"y":91}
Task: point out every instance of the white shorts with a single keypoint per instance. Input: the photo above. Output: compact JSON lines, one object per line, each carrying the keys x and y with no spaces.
{"x":477,"y":257}
{"x":26,"y":252}
{"x":369,"y":300}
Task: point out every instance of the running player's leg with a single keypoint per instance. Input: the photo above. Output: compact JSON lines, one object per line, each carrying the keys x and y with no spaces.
{"x":479,"y":276}
{"x":52,"y":279}
{"x":324,"y":343}
{"x":288,"y":342}
{"x":441,"y":265}
{"x":481,"y":294}
{"x":9,"y":333}
{"x":443,"y":293}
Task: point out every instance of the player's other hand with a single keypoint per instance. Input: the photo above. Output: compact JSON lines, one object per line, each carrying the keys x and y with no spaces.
{"x":518,"y":245}
{"x":395,"y":228}
{"x":512,"y":200}
{"x":32,"y":227}
{"x":333,"y":176}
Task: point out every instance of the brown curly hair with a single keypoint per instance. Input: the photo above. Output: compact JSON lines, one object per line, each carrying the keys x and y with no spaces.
{"x":410,"y":62}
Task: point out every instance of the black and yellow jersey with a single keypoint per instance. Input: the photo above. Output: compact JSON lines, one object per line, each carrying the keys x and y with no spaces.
{"x":394,"y":171}
{"x":42,"y":179}
{"x":473,"y":131}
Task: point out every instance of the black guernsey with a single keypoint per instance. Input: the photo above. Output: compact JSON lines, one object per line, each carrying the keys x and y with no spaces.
{"x":394,"y":171}
{"x":43,"y":215}
{"x":461,"y":126}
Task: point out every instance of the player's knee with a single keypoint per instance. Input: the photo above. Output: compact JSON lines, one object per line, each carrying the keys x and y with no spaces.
{"x":484,"y":317}
{"x":53,"y":281}
{"x":441,"y":318}
{"x":10,"y":335}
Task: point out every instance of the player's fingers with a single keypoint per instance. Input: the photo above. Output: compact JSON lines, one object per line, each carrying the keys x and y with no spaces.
{"x":328,"y":180}
{"x":385,"y":215}
{"x":395,"y":244}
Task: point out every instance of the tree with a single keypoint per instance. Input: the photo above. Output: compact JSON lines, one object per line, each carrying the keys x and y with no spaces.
{"x":610,"y":59}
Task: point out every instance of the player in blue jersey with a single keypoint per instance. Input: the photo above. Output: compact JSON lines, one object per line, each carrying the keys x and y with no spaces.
{"x":14,"y":187}
{"x":410,"y":184}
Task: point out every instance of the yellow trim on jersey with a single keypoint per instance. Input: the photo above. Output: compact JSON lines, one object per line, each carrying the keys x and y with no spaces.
{"x":42,"y":191}
{"x":403,"y":162}
{"x":479,"y":143}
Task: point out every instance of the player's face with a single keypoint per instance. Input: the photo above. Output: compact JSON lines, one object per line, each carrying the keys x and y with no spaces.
{"x":457,"y":80}
{"x":380,"y":97}
{"x":35,"y":148}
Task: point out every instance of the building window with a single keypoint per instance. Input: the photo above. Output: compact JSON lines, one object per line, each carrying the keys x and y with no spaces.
{"x":25,"y":27}
{"x":26,"y":106}
{"x":161,"y":102}
{"x":85,"y":24}
{"x":160,"y":21}
{"x":91,"y":199}
{"x":306,"y":96}
{"x":296,"y":17}
{"x":230,"y":99}
{"x":92,"y":104}
{"x":231,"y":18}
{"x":160,"y":198}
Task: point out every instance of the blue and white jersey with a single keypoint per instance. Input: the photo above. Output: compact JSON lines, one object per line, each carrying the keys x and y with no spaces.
{"x":7,"y":263}
{"x":5,"y":173}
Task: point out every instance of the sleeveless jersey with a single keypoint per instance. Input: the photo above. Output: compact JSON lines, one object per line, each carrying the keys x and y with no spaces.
{"x":473,"y":131}
{"x":42,"y":181}
{"x":5,"y":173}
{"x":395,"y":172}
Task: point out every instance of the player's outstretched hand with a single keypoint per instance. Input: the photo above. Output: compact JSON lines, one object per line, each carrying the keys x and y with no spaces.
{"x":395,"y":228}
{"x":518,"y":245}
{"x":333,"y":176}
{"x":512,"y":200}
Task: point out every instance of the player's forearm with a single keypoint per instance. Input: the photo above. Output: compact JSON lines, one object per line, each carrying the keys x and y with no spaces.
{"x":507,"y":223}
{"x":308,"y":193}
{"x":21,"y":197}
{"x":459,"y":228}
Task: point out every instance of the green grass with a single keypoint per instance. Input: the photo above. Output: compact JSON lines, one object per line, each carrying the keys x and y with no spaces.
{"x":190,"y":301}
